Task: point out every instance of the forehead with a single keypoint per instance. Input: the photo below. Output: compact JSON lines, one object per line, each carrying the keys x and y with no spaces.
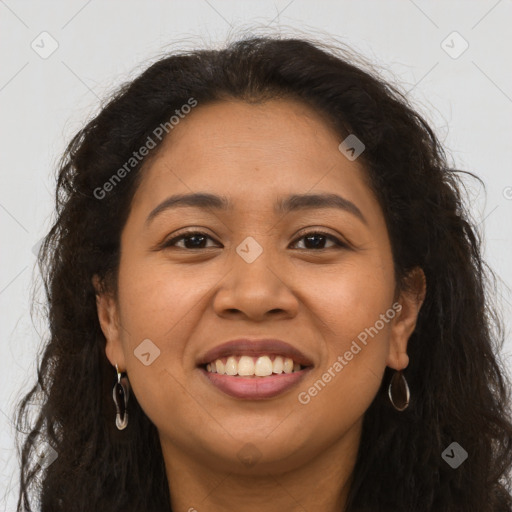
{"x":252,"y":153}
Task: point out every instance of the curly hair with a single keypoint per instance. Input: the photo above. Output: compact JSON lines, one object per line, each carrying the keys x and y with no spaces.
{"x":459,"y":386}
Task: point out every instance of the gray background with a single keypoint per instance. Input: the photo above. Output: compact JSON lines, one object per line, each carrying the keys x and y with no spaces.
{"x":44,"y":101}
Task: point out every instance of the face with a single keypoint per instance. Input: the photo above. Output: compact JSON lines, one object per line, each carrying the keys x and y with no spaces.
{"x":318,"y":277}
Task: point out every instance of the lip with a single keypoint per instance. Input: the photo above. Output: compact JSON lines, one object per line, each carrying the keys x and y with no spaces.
{"x":255,"y":347}
{"x":255,"y":388}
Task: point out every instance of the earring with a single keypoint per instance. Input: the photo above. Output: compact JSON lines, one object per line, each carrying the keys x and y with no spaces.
{"x":120,"y":394}
{"x":398,"y":391}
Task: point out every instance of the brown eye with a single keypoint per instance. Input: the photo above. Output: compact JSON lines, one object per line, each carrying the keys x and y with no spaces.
{"x":192,"y":240}
{"x":314,"y":240}
{"x":317,"y":240}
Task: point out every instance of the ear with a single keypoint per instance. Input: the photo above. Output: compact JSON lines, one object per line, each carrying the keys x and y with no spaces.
{"x":402,"y":326}
{"x":108,"y":316}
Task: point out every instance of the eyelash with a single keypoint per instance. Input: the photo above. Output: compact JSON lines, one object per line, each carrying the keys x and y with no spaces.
{"x":190,"y":234}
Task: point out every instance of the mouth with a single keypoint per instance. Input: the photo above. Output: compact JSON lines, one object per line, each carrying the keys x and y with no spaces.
{"x":251,"y":366}
{"x":254,"y":370}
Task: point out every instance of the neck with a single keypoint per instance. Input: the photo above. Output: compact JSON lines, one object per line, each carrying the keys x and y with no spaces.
{"x":321,"y":482}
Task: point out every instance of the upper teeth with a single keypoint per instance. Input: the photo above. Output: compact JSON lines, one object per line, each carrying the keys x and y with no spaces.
{"x":246,"y":365}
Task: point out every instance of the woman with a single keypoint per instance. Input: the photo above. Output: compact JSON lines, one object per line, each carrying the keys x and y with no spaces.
{"x":265,"y":294}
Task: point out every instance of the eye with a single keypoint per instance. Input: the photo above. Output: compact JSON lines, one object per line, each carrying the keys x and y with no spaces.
{"x":196,"y":238}
{"x":317,"y":238}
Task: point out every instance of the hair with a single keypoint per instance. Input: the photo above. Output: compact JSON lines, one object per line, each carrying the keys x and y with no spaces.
{"x":459,"y":386}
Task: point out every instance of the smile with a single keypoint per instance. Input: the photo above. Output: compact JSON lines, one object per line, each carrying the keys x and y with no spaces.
{"x":254,"y":378}
{"x":253,"y":369}
{"x":248,"y":366}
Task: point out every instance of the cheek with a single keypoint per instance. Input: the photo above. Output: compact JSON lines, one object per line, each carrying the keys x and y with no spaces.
{"x":163,"y":304}
{"x":352,"y":368}
{"x":157,"y":299}
{"x":355,"y":310}
{"x":154,"y":327}
{"x":352,"y":297}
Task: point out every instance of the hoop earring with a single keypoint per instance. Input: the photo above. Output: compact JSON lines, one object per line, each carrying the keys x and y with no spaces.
{"x":120,"y":394}
{"x":398,"y":391}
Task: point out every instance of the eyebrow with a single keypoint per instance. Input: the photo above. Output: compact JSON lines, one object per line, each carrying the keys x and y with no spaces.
{"x":291,"y":203}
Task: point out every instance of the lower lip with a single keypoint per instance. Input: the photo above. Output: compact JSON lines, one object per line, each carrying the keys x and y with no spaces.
{"x":255,"y":388}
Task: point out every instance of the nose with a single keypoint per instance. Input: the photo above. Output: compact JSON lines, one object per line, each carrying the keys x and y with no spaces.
{"x":257,"y":291}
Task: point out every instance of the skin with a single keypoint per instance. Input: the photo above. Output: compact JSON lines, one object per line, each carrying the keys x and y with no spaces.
{"x":188,"y":300}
